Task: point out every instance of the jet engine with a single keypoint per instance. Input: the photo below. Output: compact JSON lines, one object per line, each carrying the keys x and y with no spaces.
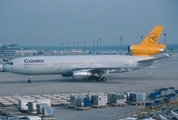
{"x":146,"y":50}
{"x":79,"y":74}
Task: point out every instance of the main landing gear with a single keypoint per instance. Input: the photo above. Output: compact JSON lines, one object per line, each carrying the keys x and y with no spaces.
{"x":99,"y":79}
{"x":29,"y":79}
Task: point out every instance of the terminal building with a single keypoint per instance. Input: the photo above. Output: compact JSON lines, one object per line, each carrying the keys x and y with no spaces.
{"x":21,"y":52}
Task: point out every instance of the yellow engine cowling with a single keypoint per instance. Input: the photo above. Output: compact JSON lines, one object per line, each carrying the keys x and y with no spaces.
{"x":144,"y":50}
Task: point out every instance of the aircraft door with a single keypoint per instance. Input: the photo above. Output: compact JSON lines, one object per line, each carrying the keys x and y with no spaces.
{"x":19,"y":64}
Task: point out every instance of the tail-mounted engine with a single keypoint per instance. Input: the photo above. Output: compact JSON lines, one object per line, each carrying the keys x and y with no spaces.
{"x":143,"y":50}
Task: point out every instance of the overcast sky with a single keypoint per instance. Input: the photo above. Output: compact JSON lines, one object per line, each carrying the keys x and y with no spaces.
{"x":50,"y":22}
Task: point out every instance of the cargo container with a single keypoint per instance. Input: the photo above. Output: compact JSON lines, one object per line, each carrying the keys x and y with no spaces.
{"x":164,"y":92}
{"x":44,"y":100}
{"x":73,"y":99}
{"x":89,"y":96}
{"x":33,"y":118}
{"x":23,"y":104}
{"x":109,"y":96}
{"x":98,"y":101}
{"x":173,"y":99}
{"x":166,"y":100}
{"x":156,"y":90}
{"x":47,"y":111}
{"x":148,"y":104}
{"x":82,"y":103}
{"x":128,"y":96}
{"x":138,"y":98}
{"x":39,"y":107}
{"x":176,"y":91}
{"x":172,"y":95}
{"x":118,"y":99}
{"x":155,"y":95}
{"x":32,"y":107}
{"x":12,"y":117}
{"x":171,"y":90}
{"x":158,"y":102}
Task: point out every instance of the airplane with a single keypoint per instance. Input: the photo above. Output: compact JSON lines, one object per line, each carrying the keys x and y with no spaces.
{"x":92,"y":67}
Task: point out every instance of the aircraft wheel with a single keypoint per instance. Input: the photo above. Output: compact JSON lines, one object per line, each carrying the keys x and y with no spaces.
{"x":29,"y":81}
{"x":89,"y":78}
{"x":103,"y":79}
{"x":98,"y":79}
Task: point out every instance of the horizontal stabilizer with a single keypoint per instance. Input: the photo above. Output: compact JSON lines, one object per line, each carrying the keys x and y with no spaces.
{"x":149,"y":62}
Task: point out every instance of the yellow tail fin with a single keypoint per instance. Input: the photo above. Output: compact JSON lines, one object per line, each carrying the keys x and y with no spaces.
{"x":153,"y":37}
{"x":149,"y":46}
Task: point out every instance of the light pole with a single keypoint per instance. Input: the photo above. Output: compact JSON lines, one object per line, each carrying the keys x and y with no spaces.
{"x":141,"y":37}
{"x":93,"y":46}
{"x":121,"y":44}
{"x":165,"y":42}
{"x":59,"y":48}
{"x":100,"y":47}
{"x":74,"y":45}
{"x":97,"y":46}
{"x":164,"y":38}
{"x":78,"y":45}
{"x":62,"y":46}
{"x":67,"y":45}
{"x":84,"y":47}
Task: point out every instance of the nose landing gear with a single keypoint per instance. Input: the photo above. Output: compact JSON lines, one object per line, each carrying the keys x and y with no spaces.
{"x":29,"y":79}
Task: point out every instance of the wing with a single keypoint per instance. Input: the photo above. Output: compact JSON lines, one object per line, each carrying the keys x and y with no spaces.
{"x":98,"y":70}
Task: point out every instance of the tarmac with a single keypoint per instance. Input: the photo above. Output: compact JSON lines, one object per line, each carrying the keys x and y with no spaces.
{"x":143,"y":80}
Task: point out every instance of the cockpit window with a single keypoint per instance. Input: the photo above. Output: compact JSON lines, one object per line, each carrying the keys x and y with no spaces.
{"x":9,"y":63}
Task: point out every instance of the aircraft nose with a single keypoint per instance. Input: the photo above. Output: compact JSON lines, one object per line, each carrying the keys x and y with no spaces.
{"x":5,"y":68}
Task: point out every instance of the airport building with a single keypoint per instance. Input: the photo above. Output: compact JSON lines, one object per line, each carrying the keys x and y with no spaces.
{"x":20,"y":52}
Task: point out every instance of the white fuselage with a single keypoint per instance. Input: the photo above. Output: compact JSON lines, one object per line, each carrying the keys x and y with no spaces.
{"x":65,"y":65}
